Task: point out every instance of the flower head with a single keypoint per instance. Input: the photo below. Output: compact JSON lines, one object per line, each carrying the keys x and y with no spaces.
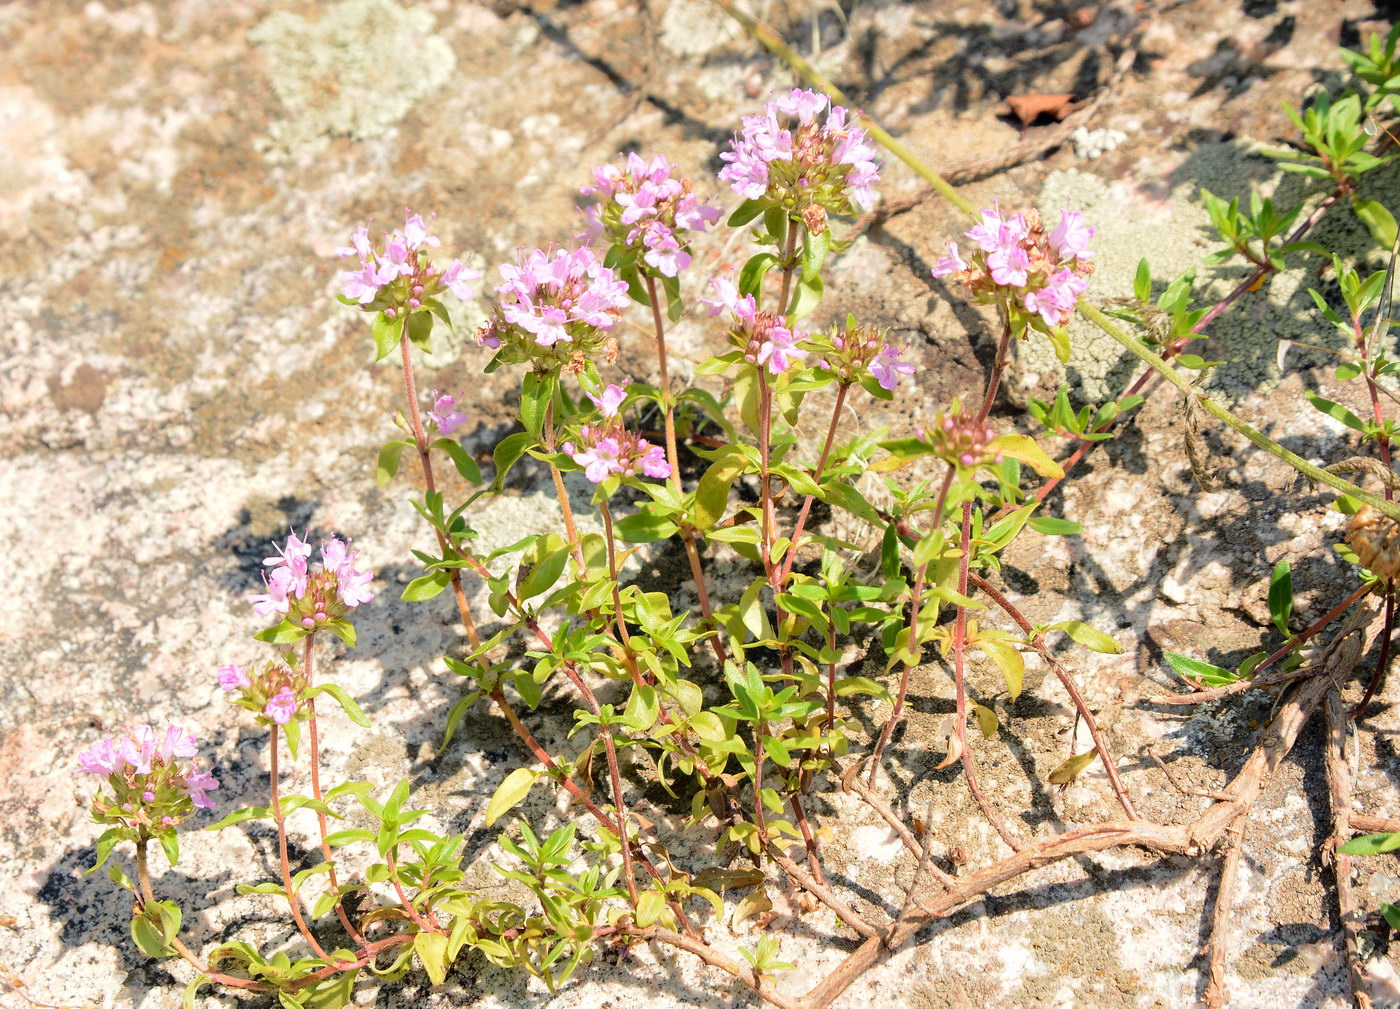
{"x":961,"y":440}
{"x":609,"y":449}
{"x":784,"y":154}
{"x":556,"y":309}
{"x":398,"y":276}
{"x":645,"y":209}
{"x":310,"y":595}
{"x":154,"y":780}
{"x":1038,"y":276}
{"x":850,"y":351}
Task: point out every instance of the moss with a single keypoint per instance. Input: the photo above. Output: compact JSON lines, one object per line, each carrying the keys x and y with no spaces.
{"x":355,"y":72}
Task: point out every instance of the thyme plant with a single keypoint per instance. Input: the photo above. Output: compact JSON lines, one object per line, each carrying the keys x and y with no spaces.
{"x":744,"y":706}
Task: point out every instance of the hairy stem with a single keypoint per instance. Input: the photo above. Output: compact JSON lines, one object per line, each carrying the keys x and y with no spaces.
{"x":321,"y":824}
{"x":293,"y":901}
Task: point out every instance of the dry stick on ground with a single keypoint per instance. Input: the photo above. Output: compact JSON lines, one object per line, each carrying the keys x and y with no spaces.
{"x":1220,"y":919}
{"x":1339,"y":792}
{"x":1191,"y":838}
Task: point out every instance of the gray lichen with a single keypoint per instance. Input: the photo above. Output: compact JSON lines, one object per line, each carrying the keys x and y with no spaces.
{"x":355,"y":72}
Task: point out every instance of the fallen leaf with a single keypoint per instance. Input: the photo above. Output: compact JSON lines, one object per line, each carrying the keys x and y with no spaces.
{"x":1029,"y":108}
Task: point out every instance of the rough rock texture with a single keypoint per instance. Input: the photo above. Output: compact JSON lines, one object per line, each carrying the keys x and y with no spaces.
{"x":179,"y":386}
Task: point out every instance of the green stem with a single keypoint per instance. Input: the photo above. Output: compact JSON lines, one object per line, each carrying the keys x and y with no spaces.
{"x":1313,"y":473}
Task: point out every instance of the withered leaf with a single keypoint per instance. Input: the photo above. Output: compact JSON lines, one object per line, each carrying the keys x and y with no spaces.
{"x":1029,"y":108}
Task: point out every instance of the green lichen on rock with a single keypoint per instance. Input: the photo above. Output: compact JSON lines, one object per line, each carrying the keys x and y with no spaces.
{"x":355,"y":72}
{"x":1175,"y":236}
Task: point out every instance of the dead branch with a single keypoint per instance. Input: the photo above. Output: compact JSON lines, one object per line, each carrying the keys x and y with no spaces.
{"x":1339,"y":791}
{"x":1220,"y":919}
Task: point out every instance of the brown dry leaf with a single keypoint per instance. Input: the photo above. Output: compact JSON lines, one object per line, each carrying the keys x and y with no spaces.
{"x":1029,"y":108}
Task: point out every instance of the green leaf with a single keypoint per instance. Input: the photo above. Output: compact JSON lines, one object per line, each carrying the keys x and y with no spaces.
{"x":650,"y":906}
{"x":170,"y":844}
{"x":454,"y":716}
{"x":1072,"y":767}
{"x":1281,"y":596}
{"x":1048,"y":526}
{"x":707,"y":725}
{"x":1336,"y":411}
{"x":1378,"y":220}
{"x":535,"y":393}
{"x":712,"y":493}
{"x":850,"y":685}
{"x":1083,"y":634}
{"x":986,"y":717}
{"x":388,"y":464}
{"x":644,"y":527}
{"x":507,"y":454}
{"x":346,"y":702}
{"x":187,"y":1000}
{"x":427,"y":586}
{"x":1142,"y":282}
{"x":1024,"y":449}
{"x":120,"y":878}
{"x":387,"y":332}
{"x":242,"y":816}
{"x":752,"y":274}
{"x":642,"y":709}
{"x":349,"y":836}
{"x":1195,"y":671}
{"x":746,"y":212}
{"x":431,"y":948}
{"x":282,"y":634}
{"x":544,"y":574}
{"x":109,"y":840}
{"x":149,"y":939}
{"x":510,"y":793}
{"x":806,"y":297}
{"x":1371,"y":844}
{"x":465,"y":464}
{"x":420,"y":328}
{"x":1008,"y":659}
{"x":814,"y":251}
{"x":1391,"y":913}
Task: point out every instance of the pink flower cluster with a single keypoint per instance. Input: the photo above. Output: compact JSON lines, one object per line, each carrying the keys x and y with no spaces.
{"x":609,"y":449}
{"x":155,"y":779}
{"x":1046,"y":272}
{"x":398,"y":276}
{"x":274,"y":690}
{"x":310,"y":595}
{"x":556,"y":296}
{"x":959,"y":439}
{"x":850,"y":350}
{"x":784,"y":154}
{"x":445,"y":413}
{"x":644,"y":206}
{"x":765,"y":338}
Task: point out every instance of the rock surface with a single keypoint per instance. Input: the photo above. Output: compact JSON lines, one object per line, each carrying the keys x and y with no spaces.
{"x":179,"y":387}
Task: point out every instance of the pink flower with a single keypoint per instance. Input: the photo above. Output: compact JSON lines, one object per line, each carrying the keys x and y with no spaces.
{"x":727,"y":298}
{"x":654,"y":463}
{"x":177,"y":743}
{"x":138,"y":749}
{"x":1071,"y":238}
{"x":445,"y":413}
{"x":199,"y":782}
{"x":780,"y":350}
{"x":354,"y":587}
{"x":887,"y":367}
{"x":951,"y":263}
{"x":100,"y":758}
{"x":610,"y":401}
{"x":554,"y":295}
{"x":233,"y":677}
{"x":282,"y":706}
